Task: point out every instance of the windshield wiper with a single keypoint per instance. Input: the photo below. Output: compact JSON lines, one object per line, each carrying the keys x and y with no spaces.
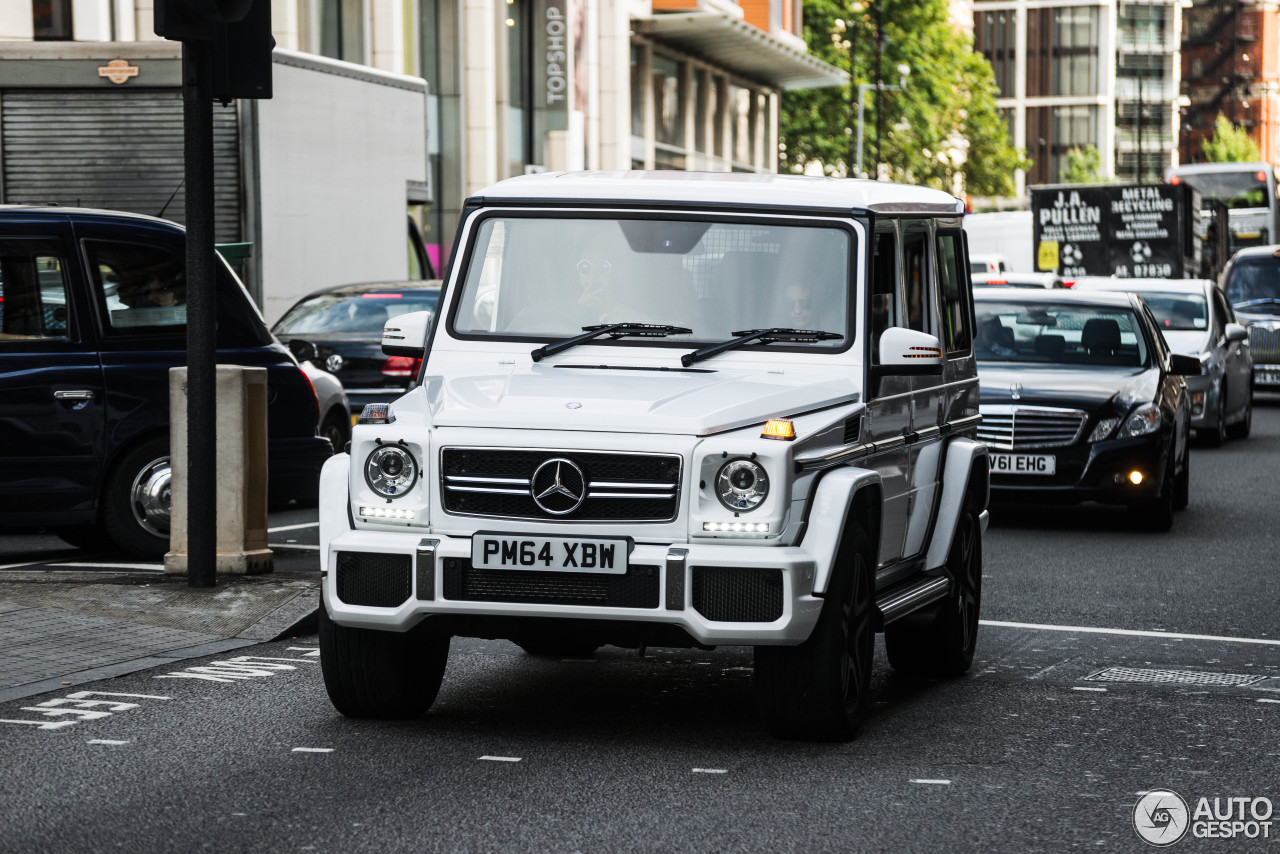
{"x":759,"y":336}
{"x":1266,"y":301}
{"x":613,"y":330}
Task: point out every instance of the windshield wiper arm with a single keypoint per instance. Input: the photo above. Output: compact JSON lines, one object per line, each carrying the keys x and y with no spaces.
{"x":1265,"y":301}
{"x":759,"y":336}
{"x":613,"y":330}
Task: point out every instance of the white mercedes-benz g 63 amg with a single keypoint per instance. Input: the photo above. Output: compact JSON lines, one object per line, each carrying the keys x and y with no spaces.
{"x":673,"y":409}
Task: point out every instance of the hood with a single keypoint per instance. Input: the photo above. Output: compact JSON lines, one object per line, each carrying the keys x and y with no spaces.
{"x":1191,"y":342}
{"x":1070,"y":387}
{"x":545,"y":397}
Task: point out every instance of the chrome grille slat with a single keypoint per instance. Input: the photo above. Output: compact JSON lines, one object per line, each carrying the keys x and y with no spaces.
{"x":1264,"y":344}
{"x":1015,"y":428}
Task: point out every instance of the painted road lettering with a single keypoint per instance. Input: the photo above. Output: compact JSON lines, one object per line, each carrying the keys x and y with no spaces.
{"x":78,"y":707}
{"x":235,"y":669}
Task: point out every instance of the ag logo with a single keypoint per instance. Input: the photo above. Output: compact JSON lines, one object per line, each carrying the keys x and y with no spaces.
{"x":1071,"y":255}
{"x":1161,"y":817}
{"x":1140,"y":251}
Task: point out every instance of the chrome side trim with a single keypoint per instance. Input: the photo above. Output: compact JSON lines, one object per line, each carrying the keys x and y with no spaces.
{"x":900,"y":603}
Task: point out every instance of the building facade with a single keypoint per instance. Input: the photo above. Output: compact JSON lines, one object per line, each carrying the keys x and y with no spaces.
{"x":531,"y":85}
{"x":1075,"y":74}
{"x":1230,"y":67}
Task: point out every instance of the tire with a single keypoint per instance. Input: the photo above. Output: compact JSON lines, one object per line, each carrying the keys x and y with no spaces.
{"x":1182,"y":483}
{"x":557,"y":648}
{"x":1213,"y":437}
{"x":1157,"y":514}
{"x":818,"y":690}
{"x":941,"y":641}
{"x":136,"y":501}
{"x":336,"y":427}
{"x":87,"y":537}
{"x":1242,"y":428}
{"x":375,"y":674}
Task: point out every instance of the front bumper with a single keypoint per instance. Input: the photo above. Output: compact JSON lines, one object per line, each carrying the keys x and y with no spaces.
{"x":1091,"y":472}
{"x":702,"y":589}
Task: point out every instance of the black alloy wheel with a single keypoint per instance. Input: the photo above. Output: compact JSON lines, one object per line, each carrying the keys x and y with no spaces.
{"x":381,"y":674}
{"x":817,"y":691}
{"x":137,"y":500}
{"x":941,"y":641}
{"x":1214,"y":436}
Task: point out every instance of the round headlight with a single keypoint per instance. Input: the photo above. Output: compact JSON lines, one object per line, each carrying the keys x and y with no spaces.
{"x":390,"y":471}
{"x":1143,"y":420}
{"x":742,"y":485}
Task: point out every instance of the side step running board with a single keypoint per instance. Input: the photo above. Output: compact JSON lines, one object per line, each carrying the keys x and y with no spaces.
{"x":913,"y":595}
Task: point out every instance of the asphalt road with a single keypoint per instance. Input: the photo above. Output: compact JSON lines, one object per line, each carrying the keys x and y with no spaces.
{"x":1035,"y":750}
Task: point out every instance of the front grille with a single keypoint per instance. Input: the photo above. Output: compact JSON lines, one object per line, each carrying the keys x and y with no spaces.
{"x":379,"y":580}
{"x":618,"y":487}
{"x":1017,"y":428}
{"x":637,"y":589}
{"x":731,"y":594}
{"x":1264,"y":344}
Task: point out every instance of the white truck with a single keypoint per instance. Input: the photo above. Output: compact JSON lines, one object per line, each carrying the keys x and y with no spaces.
{"x":669,"y":410}
{"x":320,"y":179}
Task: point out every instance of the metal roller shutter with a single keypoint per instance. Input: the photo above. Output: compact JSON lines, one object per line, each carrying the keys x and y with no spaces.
{"x":117,"y":149}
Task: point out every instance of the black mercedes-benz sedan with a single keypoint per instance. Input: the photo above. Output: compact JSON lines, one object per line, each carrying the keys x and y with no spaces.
{"x":1082,"y":400}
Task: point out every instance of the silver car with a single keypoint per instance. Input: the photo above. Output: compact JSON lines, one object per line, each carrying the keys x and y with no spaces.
{"x":1196,"y":319}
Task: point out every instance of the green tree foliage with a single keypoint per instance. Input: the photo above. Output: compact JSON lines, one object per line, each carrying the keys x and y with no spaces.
{"x":1083,"y":166}
{"x":1230,"y":144}
{"x":943,"y":124}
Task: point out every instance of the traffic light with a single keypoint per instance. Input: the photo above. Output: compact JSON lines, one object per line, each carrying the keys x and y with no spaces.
{"x":239,"y":36}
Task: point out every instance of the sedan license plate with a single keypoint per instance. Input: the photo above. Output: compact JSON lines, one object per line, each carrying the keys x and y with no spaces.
{"x":550,"y":554}
{"x":1024,"y":464}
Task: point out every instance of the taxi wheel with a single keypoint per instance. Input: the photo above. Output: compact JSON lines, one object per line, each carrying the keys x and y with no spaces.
{"x":377,"y":674}
{"x":941,"y":642}
{"x":136,"y":501}
{"x":817,"y":691}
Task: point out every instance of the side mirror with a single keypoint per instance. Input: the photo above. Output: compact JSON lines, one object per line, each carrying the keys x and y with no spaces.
{"x":1236,"y":332}
{"x":406,"y":335}
{"x":303,"y":351}
{"x":1184,"y":365}
{"x":906,"y":351}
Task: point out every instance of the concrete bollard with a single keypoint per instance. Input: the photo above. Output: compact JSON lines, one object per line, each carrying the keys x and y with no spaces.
{"x":242,"y":471}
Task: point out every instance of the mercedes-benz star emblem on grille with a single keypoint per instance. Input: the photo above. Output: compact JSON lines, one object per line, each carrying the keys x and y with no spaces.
{"x":558,"y":486}
{"x":1015,"y":391}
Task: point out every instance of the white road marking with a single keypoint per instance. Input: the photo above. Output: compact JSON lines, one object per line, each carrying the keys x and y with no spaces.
{"x":710,"y":771}
{"x":1267,"y":700}
{"x":26,"y":564}
{"x":293,"y":527}
{"x":1078,"y":688}
{"x":931,"y":782}
{"x":152,"y":567}
{"x":105,"y":741}
{"x":1129,"y":632}
{"x":501,"y":758}
{"x":313,"y":750}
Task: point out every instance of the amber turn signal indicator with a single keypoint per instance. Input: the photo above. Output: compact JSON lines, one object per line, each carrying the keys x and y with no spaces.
{"x":776,"y":428}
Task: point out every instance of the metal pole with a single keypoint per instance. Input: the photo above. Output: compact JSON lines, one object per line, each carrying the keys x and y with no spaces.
{"x":879,"y":85}
{"x":1140,"y":173}
{"x":197,"y":72}
{"x":862,"y":90}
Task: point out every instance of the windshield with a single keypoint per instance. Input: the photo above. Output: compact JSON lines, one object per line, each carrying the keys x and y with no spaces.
{"x":1235,"y":189}
{"x":353,"y":314}
{"x":548,"y":277}
{"x":1253,"y":283}
{"x":1178,"y":312}
{"x":1059,"y":333}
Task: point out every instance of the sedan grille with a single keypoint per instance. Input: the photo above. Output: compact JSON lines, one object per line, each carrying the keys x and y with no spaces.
{"x":1264,"y":344}
{"x":1017,"y":428}
{"x":572,"y":486}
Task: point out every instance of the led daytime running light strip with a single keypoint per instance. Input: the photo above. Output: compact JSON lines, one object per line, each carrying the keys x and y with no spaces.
{"x":388,"y":513}
{"x":737,"y":527}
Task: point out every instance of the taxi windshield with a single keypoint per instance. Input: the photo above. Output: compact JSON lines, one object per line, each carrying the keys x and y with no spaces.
{"x":551,"y":276}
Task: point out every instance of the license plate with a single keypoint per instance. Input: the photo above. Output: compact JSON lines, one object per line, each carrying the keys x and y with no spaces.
{"x":1268,"y":376}
{"x":1024,"y":464}
{"x":550,"y":554}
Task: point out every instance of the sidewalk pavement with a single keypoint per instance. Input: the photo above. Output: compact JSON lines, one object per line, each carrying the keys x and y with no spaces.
{"x":60,"y":627}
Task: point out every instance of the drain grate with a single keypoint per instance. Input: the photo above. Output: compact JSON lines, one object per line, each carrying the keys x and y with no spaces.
{"x":1172,"y":677}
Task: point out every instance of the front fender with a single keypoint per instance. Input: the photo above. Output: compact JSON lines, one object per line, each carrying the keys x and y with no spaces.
{"x":965,"y":459}
{"x":335,"y":500}
{"x":828,"y":515}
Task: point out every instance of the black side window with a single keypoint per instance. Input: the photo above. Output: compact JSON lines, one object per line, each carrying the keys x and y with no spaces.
{"x":141,"y":287}
{"x":916,"y":278}
{"x":33,"y":289}
{"x":953,"y":296}
{"x":884,"y":286}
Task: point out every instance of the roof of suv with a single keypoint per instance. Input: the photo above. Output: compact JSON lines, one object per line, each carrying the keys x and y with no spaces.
{"x":737,"y":189}
{"x":59,"y":210}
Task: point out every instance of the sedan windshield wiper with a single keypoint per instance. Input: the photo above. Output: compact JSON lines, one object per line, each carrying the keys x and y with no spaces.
{"x":1266,"y":301}
{"x":613,"y":330}
{"x":759,"y":336}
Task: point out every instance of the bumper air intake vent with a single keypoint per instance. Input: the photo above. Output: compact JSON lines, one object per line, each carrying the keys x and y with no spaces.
{"x":376,"y":580}
{"x":736,"y":594}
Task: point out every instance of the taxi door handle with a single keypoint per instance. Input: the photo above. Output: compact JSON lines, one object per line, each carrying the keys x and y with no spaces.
{"x":74,"y":394}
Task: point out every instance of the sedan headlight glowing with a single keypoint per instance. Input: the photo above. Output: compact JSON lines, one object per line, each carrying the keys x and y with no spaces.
{"x":1143,"y":420}
{"x":390,"y":471}
{"x":742,"y":485}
